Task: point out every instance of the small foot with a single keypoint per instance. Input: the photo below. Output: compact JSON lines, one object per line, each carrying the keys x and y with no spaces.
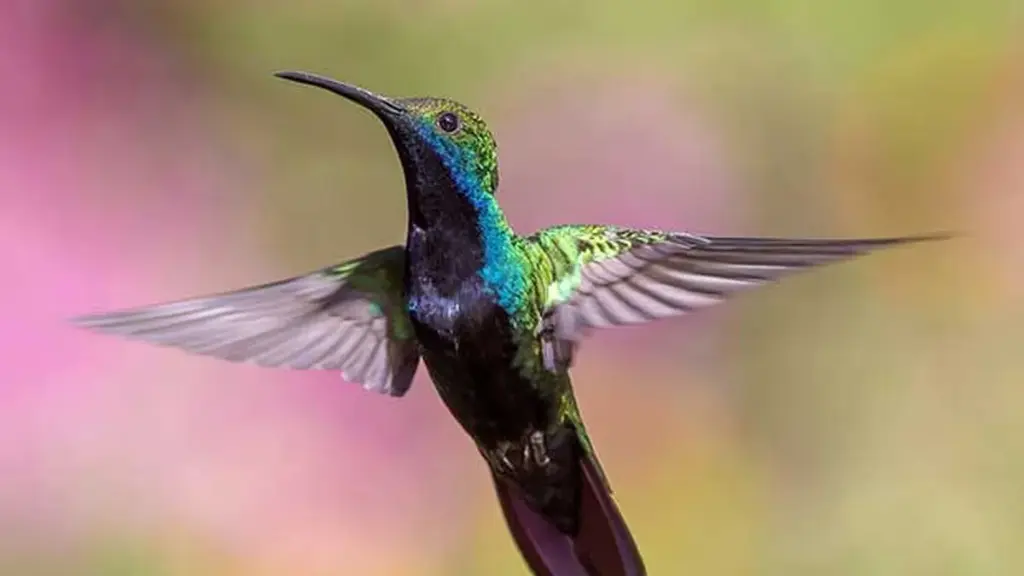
{"x":539,"y":449}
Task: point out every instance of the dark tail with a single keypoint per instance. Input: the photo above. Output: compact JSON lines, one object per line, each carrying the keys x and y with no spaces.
{"x":602,"y":546}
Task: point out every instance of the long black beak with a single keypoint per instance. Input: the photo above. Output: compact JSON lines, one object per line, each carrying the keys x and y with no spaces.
{"x":385,"y":109}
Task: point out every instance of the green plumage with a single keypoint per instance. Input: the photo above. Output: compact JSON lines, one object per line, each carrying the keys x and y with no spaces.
{"x":495,"y":317}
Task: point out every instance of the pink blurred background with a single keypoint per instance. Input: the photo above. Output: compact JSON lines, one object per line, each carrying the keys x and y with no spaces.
{"x":864,"y":419}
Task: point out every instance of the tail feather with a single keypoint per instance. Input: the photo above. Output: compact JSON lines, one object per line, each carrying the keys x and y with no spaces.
{"x":603,"y":545}
{"x":547,"y":551}
{"x":604,"y":541}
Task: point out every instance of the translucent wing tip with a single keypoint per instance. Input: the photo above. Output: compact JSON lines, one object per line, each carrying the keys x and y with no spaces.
{"x":822,"y":246}
{"x":148,"y":317}
{"x":930,"y":237}
{"x":102,"y":321}
{"x":897,"y":240}
{"x":851,"y":246}
{"x":870,"y":244}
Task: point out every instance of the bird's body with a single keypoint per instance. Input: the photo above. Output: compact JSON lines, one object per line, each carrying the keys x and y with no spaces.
{"x":472,"y":295}
{"x":496,"y":318}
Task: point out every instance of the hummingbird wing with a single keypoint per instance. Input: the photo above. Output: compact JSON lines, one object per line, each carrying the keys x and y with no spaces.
{"x":349,"y":317}
{"x":603,"y":276}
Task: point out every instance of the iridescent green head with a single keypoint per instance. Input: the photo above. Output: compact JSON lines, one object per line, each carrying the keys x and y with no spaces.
{"x":427,"y":132}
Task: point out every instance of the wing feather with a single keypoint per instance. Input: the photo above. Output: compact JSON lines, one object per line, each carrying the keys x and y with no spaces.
{"x":621,"y":276}
{"x":350,"y":317}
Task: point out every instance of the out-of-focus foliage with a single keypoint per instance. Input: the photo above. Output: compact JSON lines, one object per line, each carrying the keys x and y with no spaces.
{"x":859,"y":420}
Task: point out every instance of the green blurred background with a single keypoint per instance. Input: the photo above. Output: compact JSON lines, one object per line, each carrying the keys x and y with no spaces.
{"x":864,"y":419}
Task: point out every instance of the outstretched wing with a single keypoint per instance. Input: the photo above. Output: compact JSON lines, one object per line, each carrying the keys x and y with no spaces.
{"x":348,"y":317}
{"x":604,"y":276}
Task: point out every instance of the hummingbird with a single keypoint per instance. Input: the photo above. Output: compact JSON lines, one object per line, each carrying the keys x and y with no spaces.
{"x":496,"y":318}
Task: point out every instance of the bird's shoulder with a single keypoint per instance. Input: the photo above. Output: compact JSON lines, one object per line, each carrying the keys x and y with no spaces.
{"x":556,"y":255}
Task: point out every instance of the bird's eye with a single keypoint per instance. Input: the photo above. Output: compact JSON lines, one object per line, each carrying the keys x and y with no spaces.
{"x":448,"y":122}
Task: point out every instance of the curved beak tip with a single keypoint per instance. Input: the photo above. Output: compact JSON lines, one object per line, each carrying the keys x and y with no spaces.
{"x":380,"y":105}
{"x":297,"y":76}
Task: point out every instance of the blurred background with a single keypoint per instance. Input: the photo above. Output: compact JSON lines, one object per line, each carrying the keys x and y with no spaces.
{"x":864,"y":419}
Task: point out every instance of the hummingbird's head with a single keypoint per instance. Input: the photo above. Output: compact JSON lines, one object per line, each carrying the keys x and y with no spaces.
{"x":436,"y":138}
